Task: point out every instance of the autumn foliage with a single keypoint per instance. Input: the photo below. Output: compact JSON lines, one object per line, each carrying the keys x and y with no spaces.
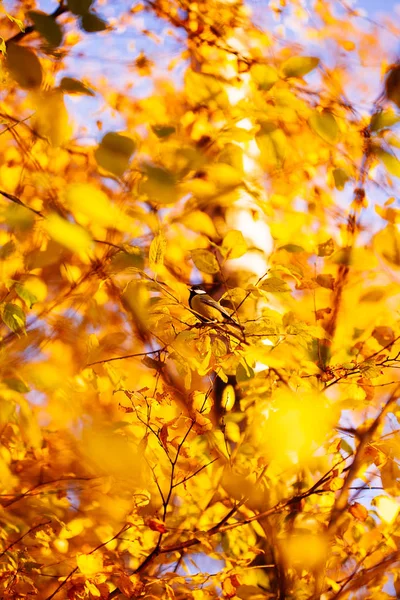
{"x":249,"y":147}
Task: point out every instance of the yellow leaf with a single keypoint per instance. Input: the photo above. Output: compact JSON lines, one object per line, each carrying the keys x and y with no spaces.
{"x":94,"y":204}
{"x":298,"y":66}
{"x":387,"y":509}
{"x":70,"y":235}
{"x":324,"y":124}
{"x":263,"y":76}
{"x":234,"y":245}
{"x":272,"y":143}
{"x":391,"y":162}
{"x":51,"y":117}
{"x":114,"y":152}
{"x":205,"y":261}
{"x":387,"y":243}
{"x":205,"y":89}
{"x":200,"y":222}
{"x":90,"y":564}
{"x":159,"y":185}
{"x":228,"y":398}
{"x":157,"y":250}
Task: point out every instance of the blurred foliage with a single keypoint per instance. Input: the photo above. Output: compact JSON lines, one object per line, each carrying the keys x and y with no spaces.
{"x":125,"y":472}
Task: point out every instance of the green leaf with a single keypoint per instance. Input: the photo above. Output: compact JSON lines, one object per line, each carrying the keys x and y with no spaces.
{"x":74,"y":86}
{"x":340,"y":177}
{"x":25,"y":295}
{"x":264,"y":76}
{"x":91,"y":23}
{"x":324,"y":124}
{"x":298,"y":66}
{"x":391,"y":162}
{"x":114,"y":152}
{"x":274,"y":285}
{"x":16,"y":384}
{"x":24,"y":66}
{"x":205,"y":261}
{"x":48,"y":27}
{"x":13,"y":316}
{"x":163,"y":131}
{"x":79,"y":7}
{"x":383,"y":119}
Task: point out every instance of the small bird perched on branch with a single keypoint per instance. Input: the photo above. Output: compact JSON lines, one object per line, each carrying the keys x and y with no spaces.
{"x":207,"y":309}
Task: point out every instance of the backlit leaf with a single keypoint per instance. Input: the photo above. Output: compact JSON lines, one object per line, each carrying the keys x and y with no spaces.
{"x":159,"y":185}
{"x":25,"y":294}
{"x":94,"y":204}
{"x":264,"y":76}
{"x":298,"y":66}
{"x":340,"y":177}
{"x":90,"y":564}
{"x":24,"y":66}
{"x":13,"y":316}
{"x":274,"y":285}
{"x":157,"y":250}
{"x":51,"y":117}
{"x":324,"y":124}
{"x":391,"y":162}
{"x":387,"y":244}
{"x":114,"y":152}
{"x":234,"y":245}
{"x":70,"y":235}
{"x":205,"y":261}
{"x":383,"y":119}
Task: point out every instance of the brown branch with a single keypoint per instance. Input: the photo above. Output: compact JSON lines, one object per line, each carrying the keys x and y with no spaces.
{"x":20,"y":203}
{"x":24,"y":535}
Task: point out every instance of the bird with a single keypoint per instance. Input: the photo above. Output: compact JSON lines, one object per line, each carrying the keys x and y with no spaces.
{"x":207,"y":309}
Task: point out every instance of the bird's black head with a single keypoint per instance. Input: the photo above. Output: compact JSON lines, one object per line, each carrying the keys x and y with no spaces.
{"x":196,"y":290}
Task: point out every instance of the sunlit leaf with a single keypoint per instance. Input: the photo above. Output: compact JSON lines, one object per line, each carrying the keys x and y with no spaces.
{"x":114,"y":152}
{"x":94,"y":204}
{"x":228,"y":398}
{"x":264,"y":76}
{"x":24,"y":66}
{"x":204,"y":89}
{"x":387,"y":244}
{"x":298,"y":66}
{"x":234,"y":245}
{"x":157,"y":250}
{"x":340,"y":177}
{"x":163,"y":131}
{"x":90,"y":564}
{"x":205,"y":261}
{"x":51,"y":119}
{"x":387,"y":508}
{"x":391,"y":162}
{"x":325,"y":125}
{"x":272,"y":143}
{"x":70,"y":235}
{"x":383,"y":119}
{"x":274,"y":285}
